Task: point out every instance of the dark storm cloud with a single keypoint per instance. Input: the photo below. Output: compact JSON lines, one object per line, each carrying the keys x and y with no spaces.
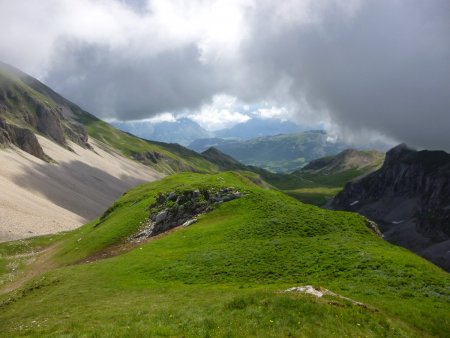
{"x":113,"y":85}
{"x":375,"y":65}
{"x":385,"y":68}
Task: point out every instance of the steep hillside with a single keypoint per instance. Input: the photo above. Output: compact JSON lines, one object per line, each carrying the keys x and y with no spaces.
{"x":224,"y":275}
{"x":280,"y":153}
{"x":409,"y":198}
{"x":337,"y":170}
{"x":223,"y":161}
{"x":61,"y":166}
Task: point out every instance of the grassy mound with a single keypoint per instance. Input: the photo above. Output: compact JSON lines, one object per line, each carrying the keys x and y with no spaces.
{"x":222,"y":275}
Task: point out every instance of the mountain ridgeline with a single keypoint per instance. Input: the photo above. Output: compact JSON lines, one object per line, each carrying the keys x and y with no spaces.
{"x":409,"y":198}
{"x":28,"y":106}
{"x":185,"y":131}
{"x":337,"y":170}
{"x":258,"y":127}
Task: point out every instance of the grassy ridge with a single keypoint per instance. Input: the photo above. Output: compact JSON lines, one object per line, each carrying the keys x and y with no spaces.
{"x":220,"y":276}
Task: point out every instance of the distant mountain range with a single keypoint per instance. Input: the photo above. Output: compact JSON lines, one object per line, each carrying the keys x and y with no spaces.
{"x":258,"y":127}
{"x":279,"y":153}
{"x":184,"y":130}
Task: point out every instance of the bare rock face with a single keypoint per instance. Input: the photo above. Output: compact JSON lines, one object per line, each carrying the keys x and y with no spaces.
{"x":30,"y":104}
{"x":409,"y":198}
{"x":22,"y":138}
{"x":182,"y":208}
{"x":77,"y":134}
{"x":49,"y":124}
{"x":148,"y":157}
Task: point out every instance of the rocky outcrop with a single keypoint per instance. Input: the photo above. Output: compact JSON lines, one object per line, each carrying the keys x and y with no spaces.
{"x":148,"y":157}
{"x":77,"y":134}
{"x":22,"y":138}
{"x":409,"y":198}
{"x":181,"y":208}
{"x":49,"y":124}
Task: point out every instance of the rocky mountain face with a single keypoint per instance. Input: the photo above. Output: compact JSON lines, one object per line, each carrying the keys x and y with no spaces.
{"x":22,"y":138}
{"x":27,"y":104}
{"x":409,"y":198}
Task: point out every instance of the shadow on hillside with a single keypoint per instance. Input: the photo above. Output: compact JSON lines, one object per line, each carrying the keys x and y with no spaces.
{"x":82,"y":189}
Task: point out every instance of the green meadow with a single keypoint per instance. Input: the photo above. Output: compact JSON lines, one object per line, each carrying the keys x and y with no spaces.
{"x":223,"y":276}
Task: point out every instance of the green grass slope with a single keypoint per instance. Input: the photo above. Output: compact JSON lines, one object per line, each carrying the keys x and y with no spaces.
{"x":224,"y":161}
{"x":222,"y":276}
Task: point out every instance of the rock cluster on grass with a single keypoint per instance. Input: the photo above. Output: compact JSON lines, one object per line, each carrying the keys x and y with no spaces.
{"x":181,"y":209}
{"x":320,"y":292}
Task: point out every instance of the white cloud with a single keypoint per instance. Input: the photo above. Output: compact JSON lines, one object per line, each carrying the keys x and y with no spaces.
{"x":219,"y":113}
{"x":215,"y":27}
{"x":164,"y":117}
{"x":273,"y":112}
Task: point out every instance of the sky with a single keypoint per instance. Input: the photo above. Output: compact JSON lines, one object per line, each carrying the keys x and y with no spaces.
{"x":363,"y":69}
